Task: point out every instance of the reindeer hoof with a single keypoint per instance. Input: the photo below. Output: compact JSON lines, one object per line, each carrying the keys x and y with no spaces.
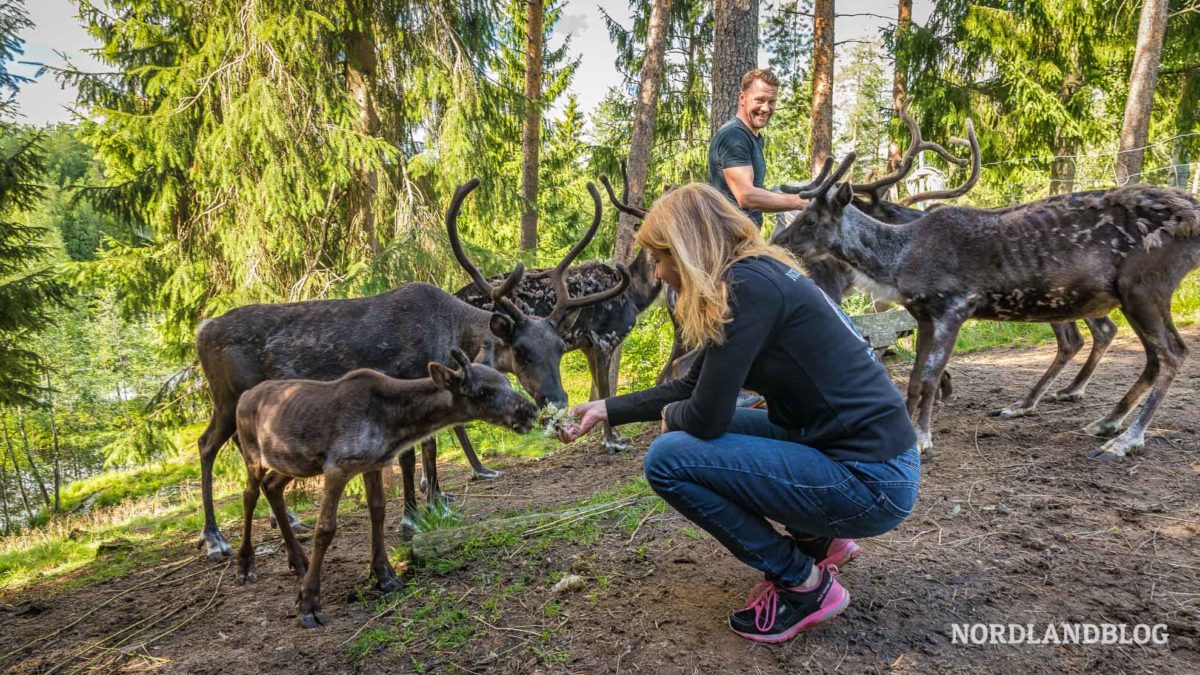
{"x":389,"y":585}
{"x":1102,"y":429}
{"x":1066,"y":396}
{"x":1102,"y":455}
{"x":1010,"y":413}
{"x":298,"y":568}
{"x":244,"y":576}
{"x":616,"y":445}
{"x":218,"y":548}
{"x":485,"y":474}
{"x":408,"y":527}
{"x":313,"y":620}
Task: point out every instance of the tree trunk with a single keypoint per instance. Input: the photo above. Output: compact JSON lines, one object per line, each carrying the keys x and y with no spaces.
{"x":1185,"y":118}
{"x":12,"y":455}
{"x":821,"y":142}
{"x":735,"y":51}
{"x":1062,"y":173}
{"x":531,"y":137}
{"x":37,"y":476}
{"x":55,"y":448}
{"x":4,"y":496}
{"x":1142,"y":80}
{"x":361,"y":63}
{"x":899,"y":87}
{"x":643,"y":124}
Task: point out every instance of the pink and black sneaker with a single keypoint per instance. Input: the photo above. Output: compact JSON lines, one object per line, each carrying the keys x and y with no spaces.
{"x":775,"y":614}
{"x":827,"y":551}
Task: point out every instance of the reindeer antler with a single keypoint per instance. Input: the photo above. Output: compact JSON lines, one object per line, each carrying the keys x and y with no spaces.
{"x":563,"y":301}
{"x":622,"y":204}
{"x":820,"y":178}
{"x":916,"y":146}
{"x":498,"y":294}
{"x":976,"y":166}
{"x":818,"y":188}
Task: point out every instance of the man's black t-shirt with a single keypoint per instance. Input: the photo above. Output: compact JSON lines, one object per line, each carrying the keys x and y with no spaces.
{"x":735,"y":145}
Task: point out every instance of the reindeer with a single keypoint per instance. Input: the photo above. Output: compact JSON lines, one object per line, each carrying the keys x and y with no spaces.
{"x":835,"y":277}
{"x":597,"y":330}
{"x":396,"y":333}
{"x":354,"y":425}
{"x":1059,"y":259}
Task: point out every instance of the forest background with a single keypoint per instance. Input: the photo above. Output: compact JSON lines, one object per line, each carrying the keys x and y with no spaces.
{"x":231,"y":152}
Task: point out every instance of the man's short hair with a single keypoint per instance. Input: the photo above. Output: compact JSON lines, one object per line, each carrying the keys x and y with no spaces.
{"x":765,"y":74}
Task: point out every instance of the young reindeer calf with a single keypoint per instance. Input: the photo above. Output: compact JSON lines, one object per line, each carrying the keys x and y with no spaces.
{"x":354,"y":425}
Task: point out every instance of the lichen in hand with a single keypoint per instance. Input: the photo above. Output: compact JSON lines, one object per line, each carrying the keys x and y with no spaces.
{"x":557,"y":420}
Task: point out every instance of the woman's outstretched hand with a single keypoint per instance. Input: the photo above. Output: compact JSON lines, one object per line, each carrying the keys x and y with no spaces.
{"x":590,"y":414}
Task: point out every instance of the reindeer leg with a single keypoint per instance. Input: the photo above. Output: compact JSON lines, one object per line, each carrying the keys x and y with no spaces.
{"x":478,"y":470}
{"x":246,"y":571}
{"x":429,"y":478}
{"x":1111,"y":424}
{"x":310,"y":589}
{"x":945,"y":390}
{"x":273,"y":485}
{"x":677,"y":348}
{"x":1165,"y":353}
{"x":381,"y":568}
{"x":1066,"y":333}
{"x":222,"y":426}
{"x":945,"y":332}
{"x":600,"y":363}
{"x":924,"y":333}
{"x":1103,"y":331}
{"x":408,"y":469}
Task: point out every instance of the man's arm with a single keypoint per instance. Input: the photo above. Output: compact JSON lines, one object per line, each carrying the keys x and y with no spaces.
{"x":741,"y":183}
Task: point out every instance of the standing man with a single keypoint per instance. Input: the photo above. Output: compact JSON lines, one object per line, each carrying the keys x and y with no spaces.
{"x":736,"y":165}
{"x":737,"y":168}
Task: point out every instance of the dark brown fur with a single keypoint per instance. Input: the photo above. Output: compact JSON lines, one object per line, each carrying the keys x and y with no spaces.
{"x":1059,"y":259}
{"x":354,"y":425}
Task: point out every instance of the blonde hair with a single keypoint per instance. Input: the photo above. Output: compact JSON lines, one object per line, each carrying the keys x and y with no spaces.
{"x":704,"y":234}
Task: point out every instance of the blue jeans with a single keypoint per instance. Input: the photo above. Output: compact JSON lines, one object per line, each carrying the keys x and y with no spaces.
{"x":732,"y":484}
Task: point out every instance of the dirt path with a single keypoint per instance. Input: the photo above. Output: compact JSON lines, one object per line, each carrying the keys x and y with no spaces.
{"x":1014,"y":525}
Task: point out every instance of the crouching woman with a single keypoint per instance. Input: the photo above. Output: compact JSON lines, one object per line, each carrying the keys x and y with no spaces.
{"x":833,"y":457}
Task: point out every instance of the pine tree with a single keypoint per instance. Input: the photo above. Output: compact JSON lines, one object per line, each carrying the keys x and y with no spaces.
{"x":29,"y":287}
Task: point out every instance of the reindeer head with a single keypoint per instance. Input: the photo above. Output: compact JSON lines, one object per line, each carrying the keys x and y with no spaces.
{"x":529,"y":346}
{"x":811,"y":233}
{"x":481,"y":392}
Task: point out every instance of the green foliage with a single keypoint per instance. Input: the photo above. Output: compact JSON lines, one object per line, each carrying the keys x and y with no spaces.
{"x":29,"y":286}
{"x":680,"y":148}
{"x":863,"y":128}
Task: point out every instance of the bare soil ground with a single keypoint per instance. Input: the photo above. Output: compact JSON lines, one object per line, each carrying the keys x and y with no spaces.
{"x":1014,"y":525}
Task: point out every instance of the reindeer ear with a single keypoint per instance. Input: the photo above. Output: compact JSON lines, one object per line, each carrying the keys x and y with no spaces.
{"x":460,"y":356}
{"x":444,"y":377}
{"x":844,"y":195}
{"x":564,"y":325}
{"x":503,"y":326}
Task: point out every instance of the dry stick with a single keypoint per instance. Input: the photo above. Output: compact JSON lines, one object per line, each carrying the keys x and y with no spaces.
{"x":85,"y":615}
{"x":605,"y":508}
{"x":108,"y":651}
{"x":639,"y":526}
{"x":977,"y":450}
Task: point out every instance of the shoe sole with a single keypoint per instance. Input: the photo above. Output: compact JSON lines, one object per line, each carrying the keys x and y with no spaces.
{"x":818,"y":617}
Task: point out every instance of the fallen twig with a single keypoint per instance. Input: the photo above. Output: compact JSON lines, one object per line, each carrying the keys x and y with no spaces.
{"x":27,"y":645}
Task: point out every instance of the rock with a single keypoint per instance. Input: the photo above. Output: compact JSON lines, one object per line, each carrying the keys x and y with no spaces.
{"x":571,"y":582}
